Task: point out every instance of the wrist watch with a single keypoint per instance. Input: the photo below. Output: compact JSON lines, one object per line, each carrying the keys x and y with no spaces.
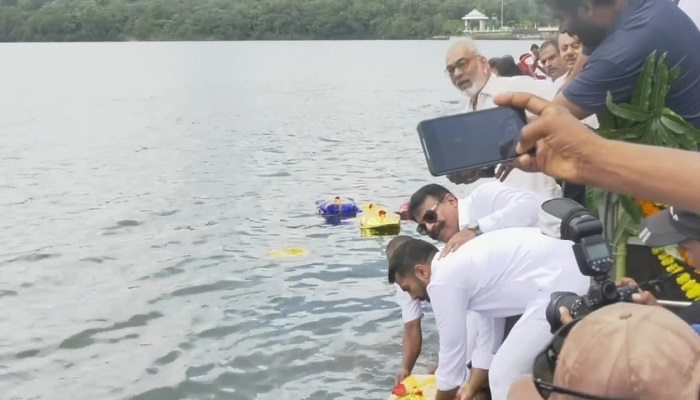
{"x":474,"y":226}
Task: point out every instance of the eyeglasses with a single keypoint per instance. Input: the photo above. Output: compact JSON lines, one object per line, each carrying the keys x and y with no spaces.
{"x":429,"y":217}
{"x":460,"y":64}
{"x":545,"y":364}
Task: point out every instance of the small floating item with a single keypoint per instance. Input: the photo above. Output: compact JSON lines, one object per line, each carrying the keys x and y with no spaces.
{"x":403,"y":212}
{"x":379,"y":224}
{"x":336,"y":210}
{"x":415,"y":387}
{"x":372,"y":207}
{"x":289,"y":252}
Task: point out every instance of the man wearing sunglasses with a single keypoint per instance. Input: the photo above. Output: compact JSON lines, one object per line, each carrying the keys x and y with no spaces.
{"x":497,"y":274}
{"x":443,"y":217}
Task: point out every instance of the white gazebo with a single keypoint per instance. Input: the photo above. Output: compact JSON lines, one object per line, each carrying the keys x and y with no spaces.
{"x":474,"y":15}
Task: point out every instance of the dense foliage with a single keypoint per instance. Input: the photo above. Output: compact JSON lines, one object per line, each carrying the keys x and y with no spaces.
{"x":113,"y":20}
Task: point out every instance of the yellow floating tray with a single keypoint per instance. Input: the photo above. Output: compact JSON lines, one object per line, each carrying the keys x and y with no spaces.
{"x":289,"y":252}
{"x":417,"y":387}
{"x":380,"y":224}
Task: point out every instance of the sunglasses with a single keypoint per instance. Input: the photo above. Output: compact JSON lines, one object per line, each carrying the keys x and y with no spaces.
{"x":546,"y":362}
{"x":429,"y":217}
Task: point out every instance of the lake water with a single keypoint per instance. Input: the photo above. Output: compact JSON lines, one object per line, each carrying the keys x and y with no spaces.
{"x":142,"y":186}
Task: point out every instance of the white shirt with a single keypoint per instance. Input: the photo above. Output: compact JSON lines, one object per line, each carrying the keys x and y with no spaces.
{"x":537,"y":182}
{"x":494,"y":206}
{"x":692,"y":9}
{"x":559,"y":82}
{"x":592,"y":120}
{"x":497,"y":274}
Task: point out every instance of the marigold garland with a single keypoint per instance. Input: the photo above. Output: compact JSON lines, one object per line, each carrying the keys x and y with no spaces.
{"x":678,"y":265}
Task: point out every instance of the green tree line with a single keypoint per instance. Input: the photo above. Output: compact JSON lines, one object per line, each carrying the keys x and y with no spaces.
{"x":118,"y":20}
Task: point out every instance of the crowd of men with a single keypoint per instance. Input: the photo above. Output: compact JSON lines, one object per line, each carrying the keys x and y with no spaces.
{"x":489,"y":284}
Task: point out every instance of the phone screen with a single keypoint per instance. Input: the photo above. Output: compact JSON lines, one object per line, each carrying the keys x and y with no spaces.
{"x":472,"y":140}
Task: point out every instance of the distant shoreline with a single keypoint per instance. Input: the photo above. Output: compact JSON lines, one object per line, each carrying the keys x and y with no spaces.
{"x":276,"y":40}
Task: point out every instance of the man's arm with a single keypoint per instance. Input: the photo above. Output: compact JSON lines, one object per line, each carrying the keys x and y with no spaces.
{"x":450,"y":304}
{"x":411,"y":314}
{"x":570,"y":151}
{"x":478,"y":379}
{"x":412,"y":343}
{"x":586,"y":94}
{"x":646,"y":172}
{"x":577,"y":111}
{"x":578,"y":67}
{"x":505,"y":207}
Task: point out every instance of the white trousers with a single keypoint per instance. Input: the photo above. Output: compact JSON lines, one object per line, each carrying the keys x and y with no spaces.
{"x":517,"y":353}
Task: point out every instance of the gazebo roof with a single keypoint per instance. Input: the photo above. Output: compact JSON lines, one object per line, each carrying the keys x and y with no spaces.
{"x":475,"y":15}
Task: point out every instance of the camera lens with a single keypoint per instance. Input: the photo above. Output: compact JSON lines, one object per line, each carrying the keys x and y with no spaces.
{"x":609,"y":293}
{"x":561,"y":299}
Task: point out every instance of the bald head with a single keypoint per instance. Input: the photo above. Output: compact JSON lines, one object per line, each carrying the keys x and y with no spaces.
{"x":468,"y":70}
{"x":461,"y":48}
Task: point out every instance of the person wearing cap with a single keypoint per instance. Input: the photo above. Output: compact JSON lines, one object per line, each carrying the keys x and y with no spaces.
{"x":497,"y":274}
{"x":673,"y":226}
{"x":681,"y":227}
{"x":621,"y":351}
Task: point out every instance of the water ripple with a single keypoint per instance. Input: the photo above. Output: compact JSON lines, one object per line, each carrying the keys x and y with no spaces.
{"x":139,"y":212}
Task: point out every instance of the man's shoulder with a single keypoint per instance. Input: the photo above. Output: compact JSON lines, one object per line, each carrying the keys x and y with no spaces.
{"x":644,"y":30}
{"x":449,"y":269}
{"x":487,"y":192}
{"x":510,"y":233}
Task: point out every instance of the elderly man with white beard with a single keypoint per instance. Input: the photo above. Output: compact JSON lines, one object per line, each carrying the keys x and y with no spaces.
{"x":470,"y":73}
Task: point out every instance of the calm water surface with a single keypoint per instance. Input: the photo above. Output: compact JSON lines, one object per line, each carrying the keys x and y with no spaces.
{"x":143,"y":184}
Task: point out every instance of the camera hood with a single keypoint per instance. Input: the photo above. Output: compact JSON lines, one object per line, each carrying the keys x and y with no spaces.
{"x":564,"y":218}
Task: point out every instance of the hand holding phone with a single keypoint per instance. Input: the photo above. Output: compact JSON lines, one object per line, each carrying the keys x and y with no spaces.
{"x":472,"y":140}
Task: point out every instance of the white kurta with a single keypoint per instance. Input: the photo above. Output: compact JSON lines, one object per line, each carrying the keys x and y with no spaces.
{"x":494,"y":206}
{"x":498,"y":274}
{"x":537,"y":182}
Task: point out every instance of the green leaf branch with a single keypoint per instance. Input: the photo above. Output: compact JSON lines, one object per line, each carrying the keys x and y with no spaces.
{"x":644,"y":120}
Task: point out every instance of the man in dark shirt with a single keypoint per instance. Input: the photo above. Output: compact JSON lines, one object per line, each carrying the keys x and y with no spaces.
{"x":618,"y":36}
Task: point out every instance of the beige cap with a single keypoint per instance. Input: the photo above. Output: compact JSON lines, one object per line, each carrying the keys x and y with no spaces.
{"x":627,"y":351}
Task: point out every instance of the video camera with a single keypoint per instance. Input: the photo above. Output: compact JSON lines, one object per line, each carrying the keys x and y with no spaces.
{"x":568,"y":220}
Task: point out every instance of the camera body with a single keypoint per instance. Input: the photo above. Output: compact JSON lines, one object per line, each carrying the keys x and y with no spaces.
{"x":568,"y":220}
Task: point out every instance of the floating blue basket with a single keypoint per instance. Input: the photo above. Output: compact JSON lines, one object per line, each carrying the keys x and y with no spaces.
{"x":336,"y":210}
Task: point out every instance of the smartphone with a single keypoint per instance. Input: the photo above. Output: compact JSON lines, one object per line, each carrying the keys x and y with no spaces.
{"x":472,"y":140}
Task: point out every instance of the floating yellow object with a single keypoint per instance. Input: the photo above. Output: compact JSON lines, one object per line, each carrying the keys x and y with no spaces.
{"x":288,"y":252}
{"x":373,"y":208}
{"x":379,"y":224}
{"x":416,"y":387}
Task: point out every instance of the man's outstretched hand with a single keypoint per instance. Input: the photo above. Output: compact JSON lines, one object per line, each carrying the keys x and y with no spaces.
{"x":562,"y":142}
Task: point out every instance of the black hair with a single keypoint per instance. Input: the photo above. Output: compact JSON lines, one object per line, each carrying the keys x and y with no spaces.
{"x":505,"y":66}
{"x":407,"y":255}
{"x":550,"y":42}
{"x":534,"y":47}
{"x":394,"y":243}
{"x":430,"y":190}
